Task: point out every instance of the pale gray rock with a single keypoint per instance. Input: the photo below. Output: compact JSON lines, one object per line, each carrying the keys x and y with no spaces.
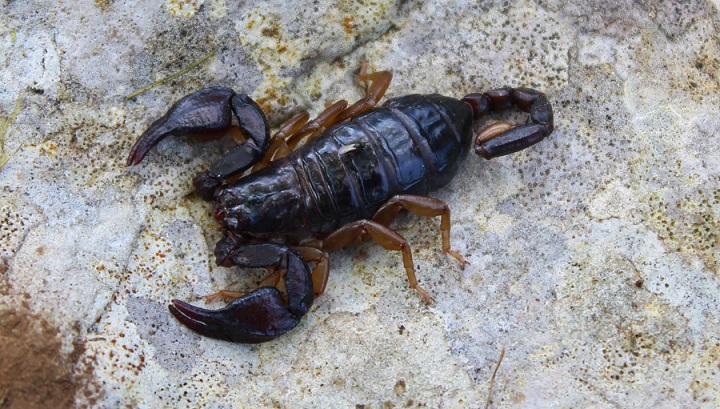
{"x":594,"y":255}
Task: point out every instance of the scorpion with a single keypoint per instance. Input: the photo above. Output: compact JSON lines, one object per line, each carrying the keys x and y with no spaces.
{"x":283,"y":204}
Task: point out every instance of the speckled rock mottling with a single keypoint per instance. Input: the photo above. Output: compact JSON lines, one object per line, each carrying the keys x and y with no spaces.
{"x":594,"y":258}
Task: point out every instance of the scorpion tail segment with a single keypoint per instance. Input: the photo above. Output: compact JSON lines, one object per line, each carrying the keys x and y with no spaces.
{"x":503,"y":138}
{"x":511,"y":141}
{"x":206,"y":111}
{"x":259,"y":316}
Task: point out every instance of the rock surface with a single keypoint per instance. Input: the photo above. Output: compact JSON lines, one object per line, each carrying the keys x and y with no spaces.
{"x":594,"y":255}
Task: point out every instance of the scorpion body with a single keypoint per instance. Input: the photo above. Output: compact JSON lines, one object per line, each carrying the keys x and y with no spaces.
{"x":412,"y":145}
{"x":360,"y":166}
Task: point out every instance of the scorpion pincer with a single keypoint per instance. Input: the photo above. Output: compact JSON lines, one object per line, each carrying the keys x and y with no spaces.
{"x":282,"y":206}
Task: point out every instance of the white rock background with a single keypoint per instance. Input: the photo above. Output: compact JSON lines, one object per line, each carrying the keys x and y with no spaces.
{"x":594,"y":255}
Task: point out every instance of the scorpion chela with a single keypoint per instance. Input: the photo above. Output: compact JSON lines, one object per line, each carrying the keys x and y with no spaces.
{"x":283,"y":204}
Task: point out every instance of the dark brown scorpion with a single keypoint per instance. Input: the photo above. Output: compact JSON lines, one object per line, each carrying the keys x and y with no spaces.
{"x":359,"y":166}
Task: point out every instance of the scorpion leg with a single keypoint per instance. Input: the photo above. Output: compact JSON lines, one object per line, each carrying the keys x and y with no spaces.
{"x":503,"y":138}
{"x":226,"y":294}
{"x":271,"y":280}
{"x":260,"y":315}
{"x":312,"y":128}
{"x":286,"y":141}
{"x":380,"y":83}
{"x":289,"y":127}
{"x":339,"y":111}
{"x":382,"y":235}
{"x":326,"y":119}
{"x":423,"y":206}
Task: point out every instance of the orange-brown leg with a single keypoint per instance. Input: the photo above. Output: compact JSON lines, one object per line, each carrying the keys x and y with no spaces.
{"x":382,"y":235}
{"x":322,"y":267}
{"x":297,"y":129}
{"x":288,"y":128}
{"x":423,"y":206}
{"x":380,"y":83}
{"x":225,"y":295}
{"x":271,"y":280}
{"x":285,"y":142}
{"x":317,"y":126}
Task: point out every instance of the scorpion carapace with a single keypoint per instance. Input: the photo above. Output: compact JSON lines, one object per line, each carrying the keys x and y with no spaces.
{"x":282,"y":206}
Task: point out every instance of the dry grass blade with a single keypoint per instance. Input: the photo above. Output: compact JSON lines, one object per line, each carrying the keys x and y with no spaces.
{"x":172,"y":76}
{"x":492,"y":379}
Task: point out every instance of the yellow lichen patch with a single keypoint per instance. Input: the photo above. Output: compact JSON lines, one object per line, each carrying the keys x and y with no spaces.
{"x":679,"y":203}
{"x":689,"y":224}
{"x":184,"y":8}
{"x":267,"y":39}
{"x":349,"y":24}
{"x":277,"y":43}
{"x":704,"y":388}
{"x":701,"y":78}
{"x":103,"y":4}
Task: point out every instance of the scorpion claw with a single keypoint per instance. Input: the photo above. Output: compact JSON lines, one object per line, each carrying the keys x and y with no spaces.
{"x":262,"y":314}
{"x":259,"y":316}
{"x":253,"y":123}
{"x":208,"y":112}
{"x":205,"y":111}
{"x":193,"y":317}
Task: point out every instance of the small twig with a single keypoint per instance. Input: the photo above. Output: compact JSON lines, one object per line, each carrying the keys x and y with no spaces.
{"x":492,"y":379}
{"x":4,"y":161}
{"x":172,"y":76}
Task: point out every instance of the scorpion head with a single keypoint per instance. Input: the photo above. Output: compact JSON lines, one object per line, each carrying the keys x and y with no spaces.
{"x":263,"y":204}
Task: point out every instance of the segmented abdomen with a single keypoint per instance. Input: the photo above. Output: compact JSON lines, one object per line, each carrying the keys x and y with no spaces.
{"x":411,"y":145}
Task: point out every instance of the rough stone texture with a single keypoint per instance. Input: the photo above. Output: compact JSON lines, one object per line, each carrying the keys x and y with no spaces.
{"x":594,"y":256}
